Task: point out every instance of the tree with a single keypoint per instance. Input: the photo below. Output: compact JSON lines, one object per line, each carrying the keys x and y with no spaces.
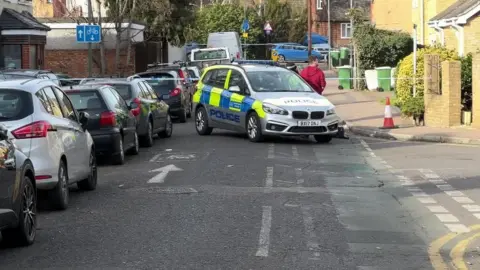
{"x":118,"y":11}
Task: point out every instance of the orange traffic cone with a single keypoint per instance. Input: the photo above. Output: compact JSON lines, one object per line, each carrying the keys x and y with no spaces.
{"x":388,"y":120}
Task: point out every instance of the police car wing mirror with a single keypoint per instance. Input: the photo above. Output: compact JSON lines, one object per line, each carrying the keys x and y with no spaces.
{"x":234,"y":88}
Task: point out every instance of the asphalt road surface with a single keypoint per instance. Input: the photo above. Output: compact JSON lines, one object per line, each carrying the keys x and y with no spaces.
{"x":221,"y":202}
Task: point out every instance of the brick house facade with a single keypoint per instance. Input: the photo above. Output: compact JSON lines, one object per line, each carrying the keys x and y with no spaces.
{"x":340,"y":27}
{"x":22,"y":40}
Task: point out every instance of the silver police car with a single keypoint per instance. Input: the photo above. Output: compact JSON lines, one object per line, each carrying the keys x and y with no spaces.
{"x":262,"y":100}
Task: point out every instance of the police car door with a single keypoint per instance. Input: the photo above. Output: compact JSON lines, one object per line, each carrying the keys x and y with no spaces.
{"x":217,"y":107}
{"x":238,"y":88}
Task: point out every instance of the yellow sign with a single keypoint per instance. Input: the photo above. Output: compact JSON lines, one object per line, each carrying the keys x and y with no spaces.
{"x":245,"y":35}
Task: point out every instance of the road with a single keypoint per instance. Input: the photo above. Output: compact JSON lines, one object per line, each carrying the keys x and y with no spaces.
{"x":282,"y":204}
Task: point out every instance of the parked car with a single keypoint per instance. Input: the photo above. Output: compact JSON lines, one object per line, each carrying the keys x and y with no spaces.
{"x":194,"y":73}
{"x":112,"y":123}
{"x":18,"y":194}
{"x":153,"y":114}
{"x":181,"y":70}
{"x":66,"y":80}
{"x":168,"y":87}
{"x":289,"y":52}
{"x":30,"y":73}
{"x":52,"y":135}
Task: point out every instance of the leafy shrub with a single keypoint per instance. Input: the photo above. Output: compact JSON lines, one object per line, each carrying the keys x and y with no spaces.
{"x":467,"y":82}
{"x":405,"y":79}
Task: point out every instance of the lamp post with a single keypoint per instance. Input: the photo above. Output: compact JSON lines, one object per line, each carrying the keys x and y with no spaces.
{"x":309,"y":10}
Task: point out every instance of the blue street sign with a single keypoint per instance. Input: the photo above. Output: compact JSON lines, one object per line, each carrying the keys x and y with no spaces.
{"x":89,"y":33}
{"x":245,"y":25}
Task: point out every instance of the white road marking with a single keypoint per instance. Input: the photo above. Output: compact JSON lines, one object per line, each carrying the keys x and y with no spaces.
{"x":472,"y":207}
{"x":309,"y":228}
{"x":477,"y":215}
{"x":431,"y":176}
{"x":372,"y":154}
{"x":364,"y":143}
{"x":437,"y":209}
{"x":162,"y":173}
{"x":426,"y":200}
{"x":264,"y":238}
{"x":457,"y":228}
{"x":281,"y":181}
{"x":271,"y":151}
{"x":425,"y":170}
{"x":299,"y":174}
{"x":463,"y":199}
{"x":294,"y":152}
{"x":291,"y":205}
{"x":455,"y":193}
{"x":414,"y":189}
{"x":420,"y":194}
{"x":388,"y":166}
{"x":269,"y":178}
{"x":407,"y":183}
{"x":155,"y":157}
{"x":447,"y":218}
{"x":445,"y":187}
{"x":401,"y":177}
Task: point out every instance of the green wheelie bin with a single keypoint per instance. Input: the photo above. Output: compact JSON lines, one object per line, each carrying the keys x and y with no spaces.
{"x":384,"y":76}
{"x":345,"y":77}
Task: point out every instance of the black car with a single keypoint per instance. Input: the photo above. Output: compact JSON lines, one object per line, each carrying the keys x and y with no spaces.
{"x":170,"y":88}
{"x":18,"y":194}
{"x":111,"y":123}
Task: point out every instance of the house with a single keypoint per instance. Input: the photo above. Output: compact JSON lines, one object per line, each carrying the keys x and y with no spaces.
{"x":22,"y":37}
{"x":394,"y":15}
{"x":64,"y":8}
{"x":340,"y":27}
{"x":458,"y":26}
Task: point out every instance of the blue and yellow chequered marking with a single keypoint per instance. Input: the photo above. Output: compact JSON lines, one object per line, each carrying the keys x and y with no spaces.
{"x":221,"y":98}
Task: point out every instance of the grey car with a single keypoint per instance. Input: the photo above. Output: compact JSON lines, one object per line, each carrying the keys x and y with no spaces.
{"x":153,"y":116}
{"x":18,"y":194}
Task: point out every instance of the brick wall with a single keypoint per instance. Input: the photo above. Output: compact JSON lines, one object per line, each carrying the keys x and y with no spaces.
{"x":75,"y":62}
{"x":472,"y":35}
{"x":322,"y":29}
{"x":26,"y":56}
{"x":442,"y":109}
{"x":476,"y":91}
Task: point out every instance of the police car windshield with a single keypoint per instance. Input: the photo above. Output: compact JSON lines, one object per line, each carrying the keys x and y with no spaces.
{"x":277,"y":81}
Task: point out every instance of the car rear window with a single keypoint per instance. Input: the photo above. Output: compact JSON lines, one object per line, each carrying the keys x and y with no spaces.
{"x":162,"y":83}
{"x":125,"y":90}
{"x":86,"y":100}
{"x":15,"y":104}
{"x":191,"y":73}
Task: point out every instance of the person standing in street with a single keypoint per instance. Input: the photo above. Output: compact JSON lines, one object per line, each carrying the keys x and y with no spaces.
{"x":313,"y":75}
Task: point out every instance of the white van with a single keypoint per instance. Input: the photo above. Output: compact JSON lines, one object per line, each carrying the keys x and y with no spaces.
{"x":231,"y":40}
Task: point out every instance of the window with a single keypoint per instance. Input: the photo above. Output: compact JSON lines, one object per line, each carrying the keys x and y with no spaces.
{"x":12,"y":56}
{"x":86,"y":100}
{"x":236,"y":79}
{"x":124,"y":90}
{"x":220,"y":78}
{"x":150,"y":90}
{"x":346,"y":30}
{"x":120,"y":101}
{"x":52,"y":100}
{"x":66,"y":105}
{"x":15,"y":105}
{"x":33,"y":56}
{"x":143,"y":92}
{"x":44,"y":100}
{"x":110,"y":99}
{"x":319,"y":4}
{"x":277,"y":81}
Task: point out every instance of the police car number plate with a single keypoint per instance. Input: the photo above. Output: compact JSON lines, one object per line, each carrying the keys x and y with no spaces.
{"x":309,"y":123}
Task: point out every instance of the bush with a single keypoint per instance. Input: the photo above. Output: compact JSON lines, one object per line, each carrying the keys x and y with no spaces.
{"x":404,"y":77}
{"x":467,"y":82}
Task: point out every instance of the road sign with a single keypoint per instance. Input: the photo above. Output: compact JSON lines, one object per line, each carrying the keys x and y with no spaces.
{"x":245,"y":35}
{"x":245,"y":25}
{"x":89,"y":33}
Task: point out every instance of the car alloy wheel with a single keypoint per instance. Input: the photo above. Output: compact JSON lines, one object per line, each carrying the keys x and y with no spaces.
{"x":29,"y":209}
{"x":136,"y":147}
{"x":169,"y":126}
{"x":63,"y":182}
{"x":252,"y":127}
{"x":200,"y":120}
{"x":93,"y":169}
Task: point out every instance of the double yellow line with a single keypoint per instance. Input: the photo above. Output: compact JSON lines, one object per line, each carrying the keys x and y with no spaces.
{"x":457,"y":253}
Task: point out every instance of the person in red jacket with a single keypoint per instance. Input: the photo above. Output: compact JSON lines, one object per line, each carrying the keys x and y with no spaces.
{"x":313,"y":75}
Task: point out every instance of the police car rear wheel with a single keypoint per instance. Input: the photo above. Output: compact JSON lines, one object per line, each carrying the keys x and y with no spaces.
{"x":201,"y":122}
{"x":254,"y":131}
{"x":323,"y":138}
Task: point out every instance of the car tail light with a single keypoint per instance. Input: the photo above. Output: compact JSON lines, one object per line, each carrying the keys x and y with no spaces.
{"x":42,"y":177}
{"x":34,"y":130}
{"x":135,"y":111}
{"x":175,"y":92}
{"x":108,"y":119}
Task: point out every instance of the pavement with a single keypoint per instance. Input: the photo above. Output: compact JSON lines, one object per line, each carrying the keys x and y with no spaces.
{"x":222,"y":202}
{"x":363,"y":113}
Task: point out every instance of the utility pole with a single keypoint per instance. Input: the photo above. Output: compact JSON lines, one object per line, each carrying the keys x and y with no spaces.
{"x":309,"y":9}
{"x":90,"y":53}
{"x":352,"y":53}
{"x":329,"y":36}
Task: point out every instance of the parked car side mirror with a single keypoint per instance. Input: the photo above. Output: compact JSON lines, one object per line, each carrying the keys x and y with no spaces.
{"x":83,"y":117}
{"x":134,"y":108}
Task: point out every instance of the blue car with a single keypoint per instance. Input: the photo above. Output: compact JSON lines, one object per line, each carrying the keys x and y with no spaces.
{"x":292,"y":53}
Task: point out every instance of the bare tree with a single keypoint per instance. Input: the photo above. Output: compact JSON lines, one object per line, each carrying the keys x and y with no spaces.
{"x":103,"y":58}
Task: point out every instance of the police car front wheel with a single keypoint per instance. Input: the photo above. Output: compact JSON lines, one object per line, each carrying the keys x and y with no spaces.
{"x":201,"y":122}
{"x":254,"y":130}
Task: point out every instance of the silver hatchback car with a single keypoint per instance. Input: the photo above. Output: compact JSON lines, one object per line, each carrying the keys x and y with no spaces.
{"x":44,"y":125}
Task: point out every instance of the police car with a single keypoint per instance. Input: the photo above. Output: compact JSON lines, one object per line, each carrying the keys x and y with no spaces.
{"x":261,"y":100}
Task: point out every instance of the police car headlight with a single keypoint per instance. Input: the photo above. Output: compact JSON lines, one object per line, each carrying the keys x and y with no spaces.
{"x":331,"y":111}
{"x":272,"y":109}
